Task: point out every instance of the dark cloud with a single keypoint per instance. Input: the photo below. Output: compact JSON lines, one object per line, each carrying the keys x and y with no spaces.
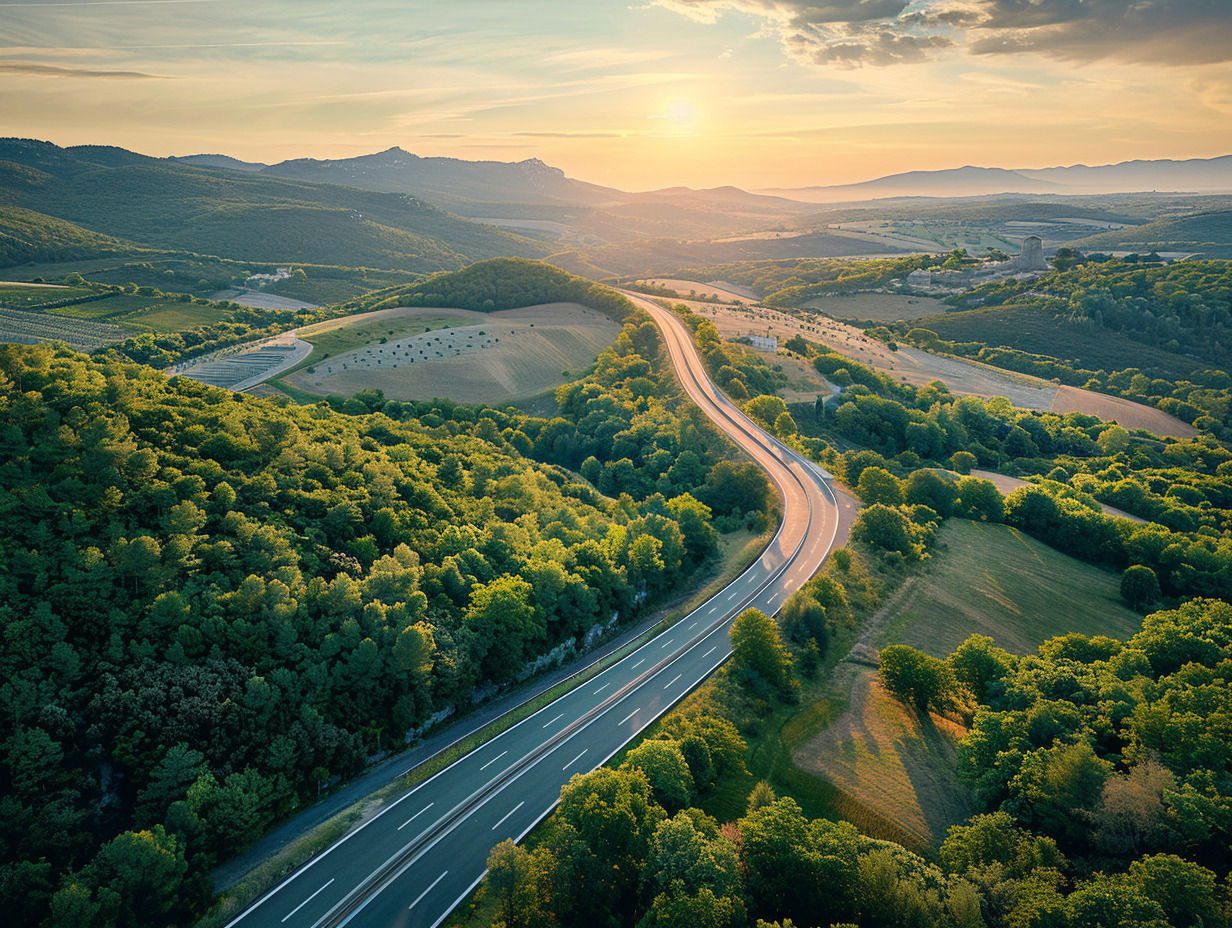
{"x":1168,"y":31}
{"x":47,"y":70}
{"x":875,"y":48}
{"x":850,"y":33}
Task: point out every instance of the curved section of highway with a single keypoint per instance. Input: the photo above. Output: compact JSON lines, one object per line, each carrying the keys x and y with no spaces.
{"x":410,"y":865}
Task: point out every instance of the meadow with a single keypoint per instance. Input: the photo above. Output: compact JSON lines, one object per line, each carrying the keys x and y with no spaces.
{"x":876,"y":307}
{"x":469,"y":357}
{"x":892,"y":770}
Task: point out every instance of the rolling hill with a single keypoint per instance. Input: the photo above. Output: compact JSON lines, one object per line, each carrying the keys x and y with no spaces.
{"x":241,"y":215}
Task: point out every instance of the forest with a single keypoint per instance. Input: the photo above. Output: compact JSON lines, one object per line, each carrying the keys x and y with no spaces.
{"x":215,"y":607}
{"x":1099,"y":768}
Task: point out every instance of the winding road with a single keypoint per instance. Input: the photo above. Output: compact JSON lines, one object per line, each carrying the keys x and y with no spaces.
{"x":410,"y":865}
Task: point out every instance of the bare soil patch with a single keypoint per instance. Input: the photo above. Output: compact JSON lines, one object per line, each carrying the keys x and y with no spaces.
{"x":499,"y":357}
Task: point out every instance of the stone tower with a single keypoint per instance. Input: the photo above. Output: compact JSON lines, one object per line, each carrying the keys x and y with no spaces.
{"x":1032,"y":257}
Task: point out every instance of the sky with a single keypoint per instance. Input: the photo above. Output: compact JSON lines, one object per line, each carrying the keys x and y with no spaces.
{"x":638,"y":95}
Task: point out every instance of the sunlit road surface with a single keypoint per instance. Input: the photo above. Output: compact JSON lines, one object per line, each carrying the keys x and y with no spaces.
{"x":414,"y":862}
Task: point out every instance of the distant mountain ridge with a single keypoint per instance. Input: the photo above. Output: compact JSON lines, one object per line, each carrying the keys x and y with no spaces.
{"x":1197,"y":175}
{"x":440,"y":180}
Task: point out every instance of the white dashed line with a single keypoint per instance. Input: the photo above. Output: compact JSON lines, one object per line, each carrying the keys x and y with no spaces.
{"x":308,"y":900}
{"x":426,"y":891}
{"x":507,"y":814}
{"x":416,"y":815}
{"x":493,"y":760}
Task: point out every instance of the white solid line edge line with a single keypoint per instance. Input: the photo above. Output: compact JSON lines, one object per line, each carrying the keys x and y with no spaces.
{"x":309,"y":899}
{"x":426,"y":891}
{"x":507,"y":814}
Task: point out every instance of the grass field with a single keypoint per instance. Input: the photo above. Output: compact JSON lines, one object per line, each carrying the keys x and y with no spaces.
{"x":484,"y":357}
{"x":876,"y":307}
{"x":1035,"y":330}
{"x":891,"y":765}
{"x":23,"y":296}
{"x":989,"y":582}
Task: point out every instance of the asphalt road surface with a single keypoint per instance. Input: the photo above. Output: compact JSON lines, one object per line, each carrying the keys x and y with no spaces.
{"x":410,"y":865}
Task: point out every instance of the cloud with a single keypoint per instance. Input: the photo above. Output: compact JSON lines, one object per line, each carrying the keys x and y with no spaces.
{"x":851,"y":33}
{"x":47,"y":70}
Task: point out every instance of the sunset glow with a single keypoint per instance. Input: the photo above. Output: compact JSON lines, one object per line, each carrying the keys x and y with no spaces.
{"x":756,"y":93}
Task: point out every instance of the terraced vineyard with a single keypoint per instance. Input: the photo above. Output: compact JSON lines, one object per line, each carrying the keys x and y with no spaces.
{"x":30,"y":328}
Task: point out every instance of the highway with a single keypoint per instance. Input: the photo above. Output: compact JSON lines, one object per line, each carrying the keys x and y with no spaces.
{"x":411,"y":864}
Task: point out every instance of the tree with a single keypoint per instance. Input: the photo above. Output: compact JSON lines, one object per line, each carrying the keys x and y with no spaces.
{"x":511,"y":881}
{"x":963,"y":461}
{"x":980,"y":500}
{"x":878,"y":485}
{"x":1140,"y":587}
{"x":978,"y":664}
{"x":688,"y":849}
{"x":758,"y":649}
{"x":889,"y":529}
{"x":929,"y":488}
{"x":663,"y":763}
{"x":506,"y":624}
{"x":925,"y":682}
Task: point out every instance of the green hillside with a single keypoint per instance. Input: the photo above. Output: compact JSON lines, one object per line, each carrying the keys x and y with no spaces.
{"x":242,"y":215}
{"x":1209,"y":233}
{"x":1037,"y":330}
{"x":30,"y":237}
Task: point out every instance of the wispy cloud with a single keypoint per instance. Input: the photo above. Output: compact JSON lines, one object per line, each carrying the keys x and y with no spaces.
{"x":47,"y":70}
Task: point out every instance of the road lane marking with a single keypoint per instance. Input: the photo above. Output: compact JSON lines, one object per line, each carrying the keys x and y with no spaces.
{"x":630,"y":715}
{"x":507,"y":814}
{"x":557,"y":719}
{"x":426,"y":891}
{"x":711,"y":651}
{"x":666,"y":643}
{"x":732,"y":594}
{"x":675,"y":678}
{"x":309,"y":899}
{"x":575,"y":760}
{"x":493,"y":760}
{"x":690,"y":628}
{"x":711,"y":609}
{"x":638,"y":664}
{"x":601,"y":689}
{"x":416,"y":815}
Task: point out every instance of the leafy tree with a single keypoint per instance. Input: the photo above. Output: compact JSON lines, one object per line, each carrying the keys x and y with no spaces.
{"x":665,"y":767}
{"x":1140,"y":586}
{"x":980,"y":500}
{"x":757,"y":649}
{"x":878,"y":485}
{"x":928,"y":683}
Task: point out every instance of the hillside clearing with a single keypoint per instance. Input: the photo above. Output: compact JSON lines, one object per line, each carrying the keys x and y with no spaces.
{"x":899,"y":765}
{"x":496,"y":358}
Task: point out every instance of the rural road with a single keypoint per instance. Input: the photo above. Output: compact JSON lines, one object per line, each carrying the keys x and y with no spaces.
{"x":410,"y":865}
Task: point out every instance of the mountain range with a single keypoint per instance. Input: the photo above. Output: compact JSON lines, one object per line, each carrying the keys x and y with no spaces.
{"x":397,"y":211}
{"x":1210,"y":175}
